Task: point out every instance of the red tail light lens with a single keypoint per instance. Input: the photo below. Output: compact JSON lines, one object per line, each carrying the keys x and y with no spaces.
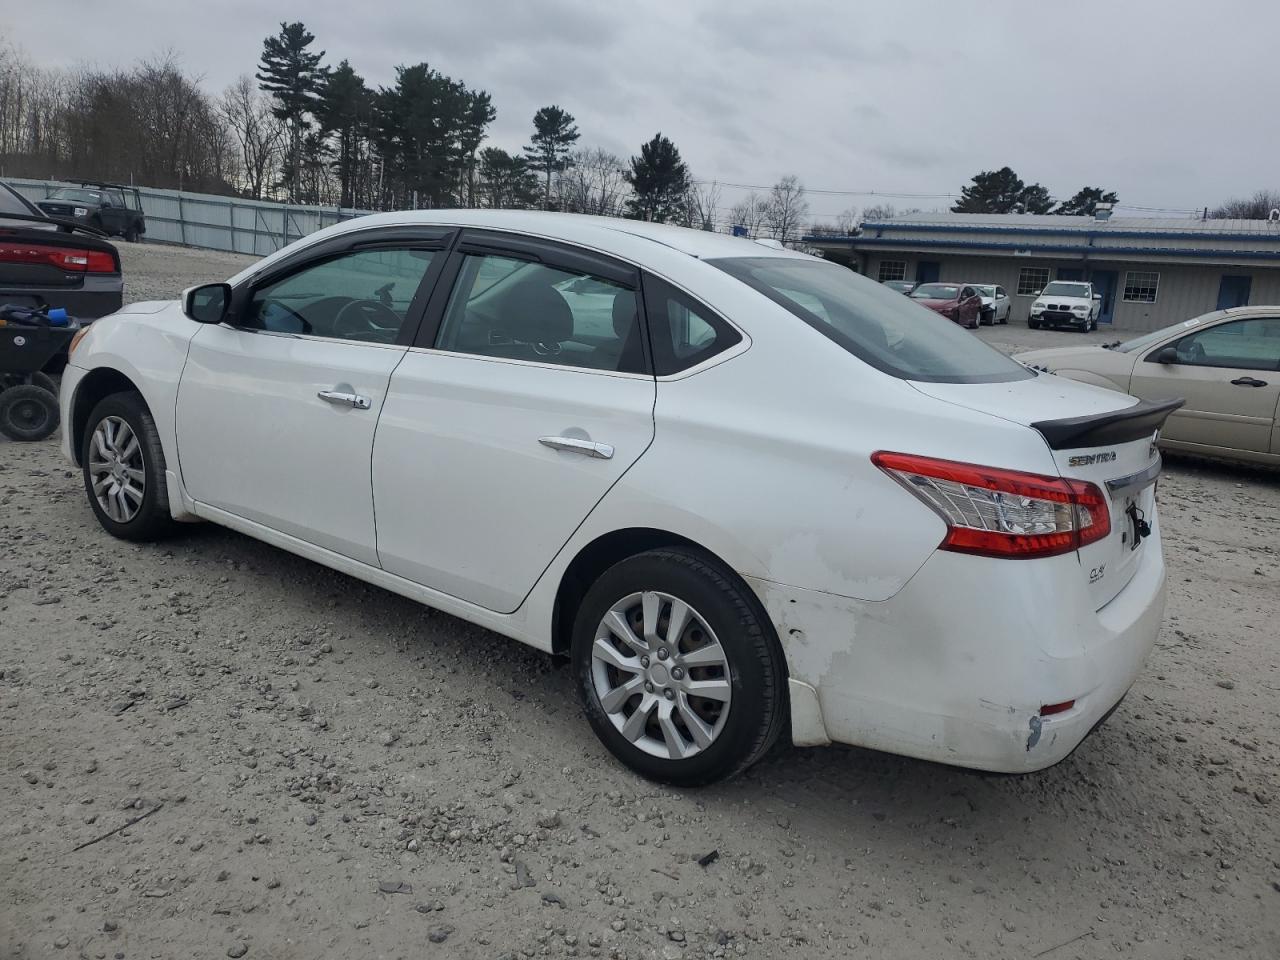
{"x":1002,"y":513}
{"x":70,"y":259}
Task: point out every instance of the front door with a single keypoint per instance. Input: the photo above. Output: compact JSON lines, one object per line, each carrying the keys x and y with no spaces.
{"x":1229,"y":375}
{"x":1233,"y":291}
{"x":1104,"y":284}
{"x":115,"y":217}
{"x":504,"y":430}
{"x":927,"y":271}
{"x":276,"y":414}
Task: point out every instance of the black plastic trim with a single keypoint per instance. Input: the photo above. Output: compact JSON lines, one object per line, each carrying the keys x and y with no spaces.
{"x":1142,"y":419}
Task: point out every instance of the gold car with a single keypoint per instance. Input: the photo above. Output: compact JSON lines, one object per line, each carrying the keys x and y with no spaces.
{"x":1225,"y":364}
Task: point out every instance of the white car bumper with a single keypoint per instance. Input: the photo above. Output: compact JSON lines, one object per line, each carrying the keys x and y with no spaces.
{"x":957,"y":665}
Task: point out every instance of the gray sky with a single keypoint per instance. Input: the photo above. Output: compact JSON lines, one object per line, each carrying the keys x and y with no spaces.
{"x":1168,"y":102}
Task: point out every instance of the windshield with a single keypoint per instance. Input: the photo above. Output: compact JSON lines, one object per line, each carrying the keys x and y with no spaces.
{"x":875,"y":324}
{"x":1155,"y":336}
{"x":75,"y":193}
{"x":936,"y":291}
{"x":1060,"y":289}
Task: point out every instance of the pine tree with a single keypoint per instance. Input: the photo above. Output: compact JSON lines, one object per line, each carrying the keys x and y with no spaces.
{"x":344,"y":111}
{"x":294,"y":77}
{"x":660,"y":181}
{"x":1086,"y":201}
{"x":554,"y":134}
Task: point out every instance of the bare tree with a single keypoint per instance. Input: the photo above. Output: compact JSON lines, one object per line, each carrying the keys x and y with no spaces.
{"x":786,"y":209}
{"x":845,"y":225}
{"x":260,"y":136}
{"x":1257,"y":207}
{"x":594,"y":182}
{"x":748,"y":213}
{"x":703,"y":203}
{"x":878,"y":211}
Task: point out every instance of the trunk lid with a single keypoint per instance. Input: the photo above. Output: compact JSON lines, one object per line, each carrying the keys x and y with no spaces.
{"x":1101,"y":436}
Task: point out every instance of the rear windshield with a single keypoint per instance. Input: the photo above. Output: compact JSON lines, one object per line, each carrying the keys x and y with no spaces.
{"x":875,"y":324}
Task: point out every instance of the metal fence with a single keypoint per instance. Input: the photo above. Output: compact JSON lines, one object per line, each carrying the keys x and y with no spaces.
{"x":212,"y":222}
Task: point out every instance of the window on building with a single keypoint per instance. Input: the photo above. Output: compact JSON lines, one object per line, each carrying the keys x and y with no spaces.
{"x":1031,"y":280}
{"x":893,"y":270}
{"x":1140,"y":287}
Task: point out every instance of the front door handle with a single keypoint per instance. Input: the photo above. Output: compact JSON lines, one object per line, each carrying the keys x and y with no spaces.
{"x":345,"y":399}
{"x":1248,"y":382}
{"x":600,"y":451}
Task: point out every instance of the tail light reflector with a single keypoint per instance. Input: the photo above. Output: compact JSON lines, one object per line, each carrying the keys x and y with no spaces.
{"x":994,"y":512}
{"x":70,"y":259}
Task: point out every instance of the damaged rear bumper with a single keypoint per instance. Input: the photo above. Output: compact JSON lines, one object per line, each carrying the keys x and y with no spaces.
{"x":955,"y":667}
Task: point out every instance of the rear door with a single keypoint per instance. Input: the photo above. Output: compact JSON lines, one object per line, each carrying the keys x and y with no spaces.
{"x":526,"y":398}
{"x":1229,"y":374}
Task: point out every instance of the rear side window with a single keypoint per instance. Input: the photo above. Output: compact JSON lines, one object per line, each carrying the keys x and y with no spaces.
{"x":684,"y":332}
{"x":883,"y":328}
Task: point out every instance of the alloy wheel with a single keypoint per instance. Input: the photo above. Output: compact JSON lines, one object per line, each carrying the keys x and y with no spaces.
{"x":116,"y":469}
{"x":661,"y":675}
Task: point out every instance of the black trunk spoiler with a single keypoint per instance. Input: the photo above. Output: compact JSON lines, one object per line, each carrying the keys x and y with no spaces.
{"x":1142,"y":419}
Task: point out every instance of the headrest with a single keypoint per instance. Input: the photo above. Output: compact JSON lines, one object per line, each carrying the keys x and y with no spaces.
{"x":624,"y":313}
{"x":544,"y":315}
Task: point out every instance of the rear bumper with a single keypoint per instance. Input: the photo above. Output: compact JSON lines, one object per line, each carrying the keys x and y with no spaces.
{"x":95,"y":299}
{"x":956,"y":666}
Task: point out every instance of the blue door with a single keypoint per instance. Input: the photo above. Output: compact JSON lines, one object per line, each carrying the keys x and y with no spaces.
{"x":927,"y":271}
{"x":1070,"y":273}
{"x":1234,"y":292}
{"x":1104,"y":283}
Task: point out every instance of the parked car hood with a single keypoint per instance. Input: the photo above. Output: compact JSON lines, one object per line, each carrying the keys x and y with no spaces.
{"x":1028,"y":401}
{"x":1056,"y":356}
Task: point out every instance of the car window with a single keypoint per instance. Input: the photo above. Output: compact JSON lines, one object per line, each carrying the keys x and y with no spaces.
{"x":115,"y":197}
{"x":685,"y":332}
{"x":520,"y":310}
{"x":882,"y":328}
{"x":1252,"y":344}
{"x":13,"y":202}
{"x":364,"y":296}
{"x":1000,"y":294}
{"x":935,"y":291}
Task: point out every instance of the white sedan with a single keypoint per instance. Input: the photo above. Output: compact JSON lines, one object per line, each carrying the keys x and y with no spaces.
{"x":996,"y":304}
{"x":747,"y":492}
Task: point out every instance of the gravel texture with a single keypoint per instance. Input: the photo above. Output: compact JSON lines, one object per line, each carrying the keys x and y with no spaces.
{"x":306,"y":766}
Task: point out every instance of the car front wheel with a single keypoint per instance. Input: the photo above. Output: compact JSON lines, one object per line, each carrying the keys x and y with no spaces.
{"x":124,"y":469}
{"x":678,"y":668}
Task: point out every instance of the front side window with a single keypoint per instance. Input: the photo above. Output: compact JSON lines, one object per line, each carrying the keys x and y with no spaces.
{"x":1252,"y":344}
{"x":1031,"y":280}
{"x":517,"y":309}
{"x":893,"y":270}
{"x":1140,"y":287}
{"x":878,"y":326}
{"x":363,"y":295}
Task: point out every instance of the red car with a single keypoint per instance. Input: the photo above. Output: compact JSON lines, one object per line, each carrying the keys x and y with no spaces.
{"x":959,"y":302}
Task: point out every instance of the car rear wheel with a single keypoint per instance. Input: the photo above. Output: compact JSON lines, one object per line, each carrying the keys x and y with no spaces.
{"x":28,"y":412}
{"x":131,"y":233}
{"x":678,"y":668}
{"x":124,"y":469}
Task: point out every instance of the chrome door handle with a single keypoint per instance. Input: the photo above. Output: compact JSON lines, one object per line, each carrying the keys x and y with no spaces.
{"x":345,"y":399}
{"x":600,"y":451}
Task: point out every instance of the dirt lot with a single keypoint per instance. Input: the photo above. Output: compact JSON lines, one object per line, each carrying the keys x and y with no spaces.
{"x":328,"y":770}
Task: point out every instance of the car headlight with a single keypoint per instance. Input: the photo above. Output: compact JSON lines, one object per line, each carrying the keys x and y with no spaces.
{"x":1079,"y":309}
{"x":81,"y":211}
{"x":1037,"y":307}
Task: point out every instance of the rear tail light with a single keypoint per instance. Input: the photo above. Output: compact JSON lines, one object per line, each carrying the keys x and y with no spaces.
{"x":70,"y":259}
{"x":1002,"y":513}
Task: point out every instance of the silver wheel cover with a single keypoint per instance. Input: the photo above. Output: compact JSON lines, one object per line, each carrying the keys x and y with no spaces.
{"x":117,"y":473}
{"x":661,"y":675}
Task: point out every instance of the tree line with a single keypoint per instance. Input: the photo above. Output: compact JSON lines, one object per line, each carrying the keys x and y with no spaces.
{"x":303,"y":130}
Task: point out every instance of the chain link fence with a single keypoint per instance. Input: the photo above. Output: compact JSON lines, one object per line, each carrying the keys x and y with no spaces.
{"x":212,"y":222}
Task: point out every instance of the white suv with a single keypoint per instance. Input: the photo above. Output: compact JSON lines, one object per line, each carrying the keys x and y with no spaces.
{"x":1066,"y":303}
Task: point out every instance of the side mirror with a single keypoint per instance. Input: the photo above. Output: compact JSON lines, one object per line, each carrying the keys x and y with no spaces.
{"x":208,"y":303}
{"x":1097,"y":296}
{"x":1037,"y":293}
{"x":1167,"y":355}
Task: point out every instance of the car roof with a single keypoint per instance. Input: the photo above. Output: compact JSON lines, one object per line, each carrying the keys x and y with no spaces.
{"x":603,"y":233}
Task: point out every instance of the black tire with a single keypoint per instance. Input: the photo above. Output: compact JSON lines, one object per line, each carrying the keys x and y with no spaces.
{"x":987,"y":318}
{"x":28,"y":412}
{"x":757,"y":672}
{"x":1033,"y":324}
{"x":131,"y":233}
{"x":45,"y":382}
{"x":1005,"y":321}
{"x":152,"y":520}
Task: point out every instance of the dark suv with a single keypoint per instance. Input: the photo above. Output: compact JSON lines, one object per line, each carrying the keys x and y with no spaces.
{"x":114,"y":209}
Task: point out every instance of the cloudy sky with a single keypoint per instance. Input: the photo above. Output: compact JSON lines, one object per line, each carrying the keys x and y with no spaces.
{"x":1168,"y":102}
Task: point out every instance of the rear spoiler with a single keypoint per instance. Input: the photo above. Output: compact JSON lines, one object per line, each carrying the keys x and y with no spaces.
{"x":1142,"y":419}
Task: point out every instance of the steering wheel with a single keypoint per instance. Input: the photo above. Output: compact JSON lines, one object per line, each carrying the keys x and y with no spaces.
{"x":362,"y":317}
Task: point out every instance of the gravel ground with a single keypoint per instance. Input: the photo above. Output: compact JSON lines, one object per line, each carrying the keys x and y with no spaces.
{"x":325,"y":769}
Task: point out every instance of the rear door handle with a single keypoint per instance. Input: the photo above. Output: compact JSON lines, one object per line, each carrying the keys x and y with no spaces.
{"x":599,"y":451}
{"x":1248,"y":382}
{"x":339,"y":398}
